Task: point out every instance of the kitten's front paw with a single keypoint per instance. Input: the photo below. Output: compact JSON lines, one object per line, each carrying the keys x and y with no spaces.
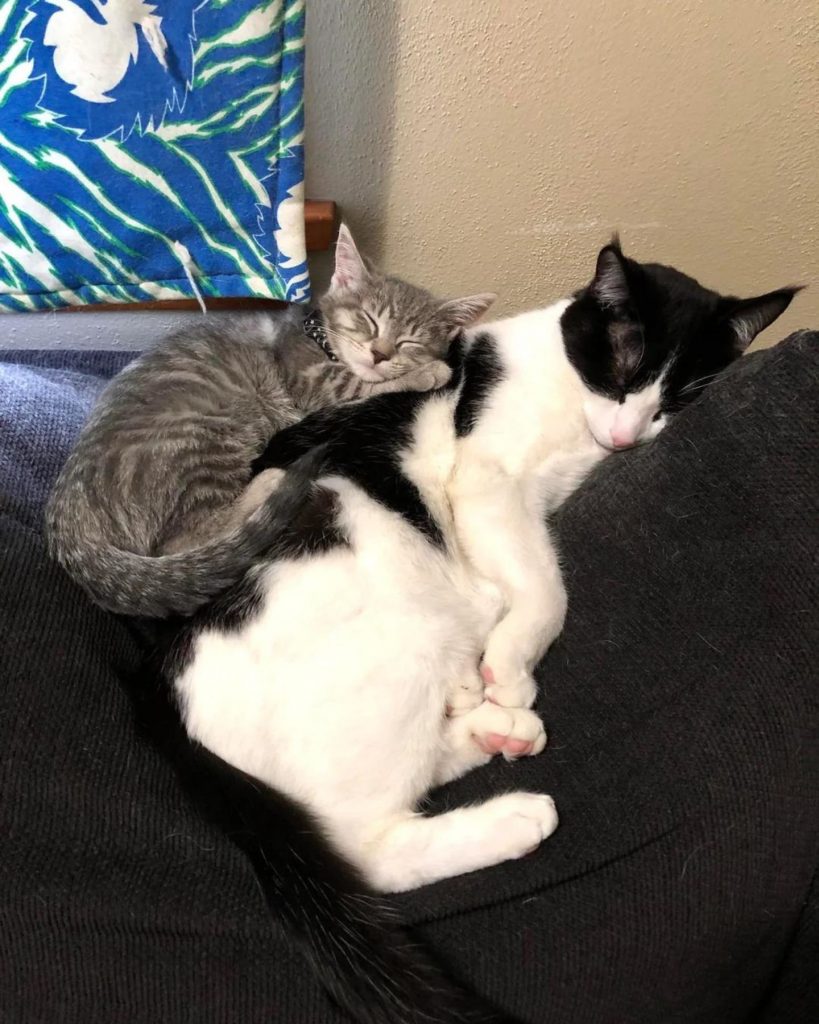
{"x":508,"y":684}
{"x":432,"y":376}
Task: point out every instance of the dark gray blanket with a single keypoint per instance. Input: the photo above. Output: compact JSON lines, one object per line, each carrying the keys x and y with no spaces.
{"x":683,"y":756}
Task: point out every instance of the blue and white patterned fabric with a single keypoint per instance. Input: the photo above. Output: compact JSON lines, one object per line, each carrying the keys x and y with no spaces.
{"x":149,"y":147}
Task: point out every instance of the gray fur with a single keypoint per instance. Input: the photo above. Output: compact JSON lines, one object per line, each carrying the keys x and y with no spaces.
{"x":147,"y":514}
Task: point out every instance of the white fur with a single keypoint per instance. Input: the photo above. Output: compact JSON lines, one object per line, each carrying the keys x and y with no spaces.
{"x":336,"y":692}
{"x":623,"y":424}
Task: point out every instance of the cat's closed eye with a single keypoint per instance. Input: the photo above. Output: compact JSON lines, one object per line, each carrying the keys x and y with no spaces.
{"x":370,"y":322}
{"x":409,"y":345}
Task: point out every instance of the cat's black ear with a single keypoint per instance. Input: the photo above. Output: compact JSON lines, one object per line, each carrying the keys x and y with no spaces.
{"x":748,"y":317}
{"x":458,"y":313}
{"x":610,"y":285}
{"x":350,"y":272}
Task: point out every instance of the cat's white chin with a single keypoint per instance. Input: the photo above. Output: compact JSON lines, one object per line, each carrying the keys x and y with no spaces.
{"x":618,"y":425}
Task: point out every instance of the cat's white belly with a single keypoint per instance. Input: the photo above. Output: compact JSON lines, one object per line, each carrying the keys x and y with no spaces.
{"x":336,"y":691}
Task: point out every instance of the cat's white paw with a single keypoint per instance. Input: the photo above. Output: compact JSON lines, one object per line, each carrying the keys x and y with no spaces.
{"x":509,"y":684}
{"x":512,"y":732}
{"x":523,"y":821}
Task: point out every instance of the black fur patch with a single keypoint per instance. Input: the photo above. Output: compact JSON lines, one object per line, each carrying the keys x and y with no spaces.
{"x":482,"y":371}
{"x":364,"y":444}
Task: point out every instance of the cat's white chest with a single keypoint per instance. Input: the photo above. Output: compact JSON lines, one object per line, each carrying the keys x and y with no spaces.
{"x":536,"y":409}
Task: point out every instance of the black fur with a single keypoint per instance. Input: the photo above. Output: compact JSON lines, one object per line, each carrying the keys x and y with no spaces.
{"x":363,"y":443}
{"x":482,"y":372}
{"x":634,"y":319}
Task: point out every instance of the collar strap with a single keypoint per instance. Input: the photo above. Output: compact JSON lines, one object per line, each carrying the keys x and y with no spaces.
{"x":314,"y":328}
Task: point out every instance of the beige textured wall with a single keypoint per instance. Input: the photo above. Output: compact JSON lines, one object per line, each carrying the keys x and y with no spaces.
{"x":494,"y":144}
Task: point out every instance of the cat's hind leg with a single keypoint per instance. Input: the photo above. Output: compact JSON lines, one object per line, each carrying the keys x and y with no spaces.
{"x":256,"y":493}
{"x":411,"y":850}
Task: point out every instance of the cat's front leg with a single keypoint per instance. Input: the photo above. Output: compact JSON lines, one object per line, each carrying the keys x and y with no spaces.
{"x":518,"y":642}
{"x":500,"y":525}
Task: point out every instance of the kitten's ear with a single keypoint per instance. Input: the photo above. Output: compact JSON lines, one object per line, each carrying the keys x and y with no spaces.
{"x":748,"y":317}
{"x":350,"y":271}
{"x":458,"y":313}
{"x":610,"y":285}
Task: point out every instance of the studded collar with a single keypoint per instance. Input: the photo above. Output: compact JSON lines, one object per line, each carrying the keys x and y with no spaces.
{"x":314,"y":328}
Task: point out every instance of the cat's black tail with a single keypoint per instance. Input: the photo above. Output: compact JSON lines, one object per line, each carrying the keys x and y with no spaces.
{"x":368,"y":963}
{"x":157,"y":586}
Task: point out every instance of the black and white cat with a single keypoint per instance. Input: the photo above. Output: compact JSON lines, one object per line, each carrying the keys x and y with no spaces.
{"x":386,"y":643}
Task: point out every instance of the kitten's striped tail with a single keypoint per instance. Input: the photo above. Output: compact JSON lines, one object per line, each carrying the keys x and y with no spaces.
{"x":158,"y":586}
{"x":368,"y":964}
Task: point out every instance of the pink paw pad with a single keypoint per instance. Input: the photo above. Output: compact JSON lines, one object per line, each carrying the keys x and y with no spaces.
{"x":487,"y":674}
{"x":518,"y":747}
{"x":495,"y":743}
{"x":488,"y":677}
{"x":491,"y":742}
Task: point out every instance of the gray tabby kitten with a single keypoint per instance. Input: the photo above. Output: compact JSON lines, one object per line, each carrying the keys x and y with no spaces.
{"x":150,"y":514}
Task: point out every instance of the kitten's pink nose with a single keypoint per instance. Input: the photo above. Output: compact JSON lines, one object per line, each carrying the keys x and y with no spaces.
{"x":379,"y":357}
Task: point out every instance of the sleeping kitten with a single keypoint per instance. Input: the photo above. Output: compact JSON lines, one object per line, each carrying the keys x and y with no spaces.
{"x":147,"y":514}
{"x":415,"y":576}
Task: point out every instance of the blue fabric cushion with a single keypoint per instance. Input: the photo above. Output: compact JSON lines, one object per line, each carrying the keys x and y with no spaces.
{"x":149,"y":145}
{"x":45,"y":397}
